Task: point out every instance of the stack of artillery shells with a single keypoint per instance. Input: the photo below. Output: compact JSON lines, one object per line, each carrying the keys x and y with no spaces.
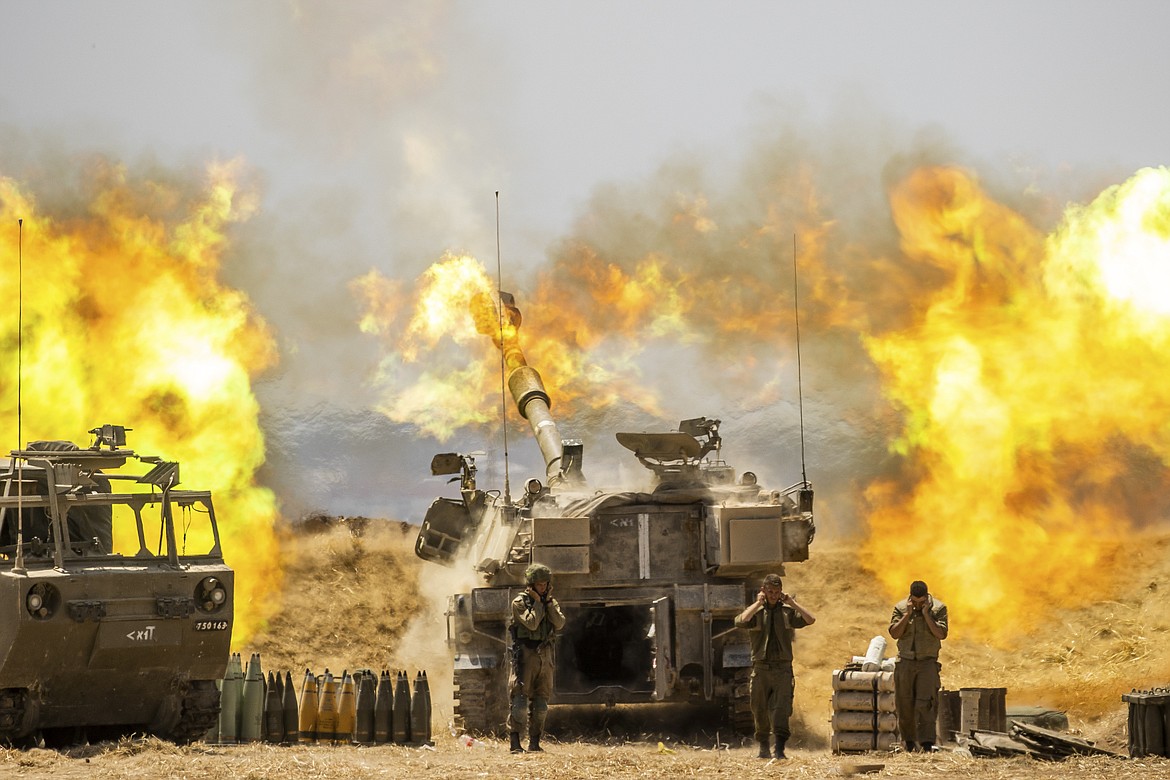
{"x":863,"y":712}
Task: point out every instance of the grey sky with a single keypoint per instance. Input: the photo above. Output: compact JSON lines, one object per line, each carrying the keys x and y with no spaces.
{"x":381,"y":132}
{"x":552,"y":98}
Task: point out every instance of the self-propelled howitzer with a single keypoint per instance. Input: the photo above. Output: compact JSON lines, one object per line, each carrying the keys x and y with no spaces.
{"x":650,"y":581}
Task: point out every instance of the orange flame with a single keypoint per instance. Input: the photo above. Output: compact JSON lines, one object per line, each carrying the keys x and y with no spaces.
{"x":1027,"y":407}
{"x":126,"y":321}
{"x":449,"y":391}
{"x":595,"y":318}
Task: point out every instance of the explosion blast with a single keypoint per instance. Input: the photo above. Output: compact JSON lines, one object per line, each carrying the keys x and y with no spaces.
{"x":125,"y":321}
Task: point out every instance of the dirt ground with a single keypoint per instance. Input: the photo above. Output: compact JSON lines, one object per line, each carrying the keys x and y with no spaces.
{"x":363,"y":600}
{"x":448,"y":759}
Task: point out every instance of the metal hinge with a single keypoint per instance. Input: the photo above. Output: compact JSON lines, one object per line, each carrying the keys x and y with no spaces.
{"x":167,"y":607}
{"x":82,"y":611}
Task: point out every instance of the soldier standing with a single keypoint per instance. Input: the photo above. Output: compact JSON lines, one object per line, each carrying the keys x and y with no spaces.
{"x":770,"y":621}
{"x":536,"y":617}
{"x":919,"y":623}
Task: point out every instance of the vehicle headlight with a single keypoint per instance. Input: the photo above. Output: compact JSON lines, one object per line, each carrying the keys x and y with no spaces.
{"x":210,"y":594}
{"x":42,"y":600}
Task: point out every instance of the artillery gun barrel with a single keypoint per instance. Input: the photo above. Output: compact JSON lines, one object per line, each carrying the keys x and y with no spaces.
{"x":499,"y":319}
{"x":533,"y":402}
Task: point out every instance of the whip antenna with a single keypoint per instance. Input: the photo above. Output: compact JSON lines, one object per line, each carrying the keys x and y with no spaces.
{"x":19,"y":326}
{"x":18,"y":565}
{"x":799,"y":379}
{"x":503,"y":364}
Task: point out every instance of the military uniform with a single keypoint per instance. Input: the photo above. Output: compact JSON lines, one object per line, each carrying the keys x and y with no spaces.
{"x":534,"y":626}
{"x":772,"y":685}
{"x":916,"y":675}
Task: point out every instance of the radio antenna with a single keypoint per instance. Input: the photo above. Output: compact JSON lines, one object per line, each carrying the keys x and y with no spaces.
{"x":503,"y":364}
{"x":799,"y":379}
{"x":18,"y":565}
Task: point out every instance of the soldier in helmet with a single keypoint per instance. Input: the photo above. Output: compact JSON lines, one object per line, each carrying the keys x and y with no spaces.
{"x":920,"y":624}
{"x":536,"y":617}
{"x":770,"y":621}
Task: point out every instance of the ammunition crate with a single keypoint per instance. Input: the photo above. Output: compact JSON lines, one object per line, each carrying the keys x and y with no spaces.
{"x":1149,"y":722}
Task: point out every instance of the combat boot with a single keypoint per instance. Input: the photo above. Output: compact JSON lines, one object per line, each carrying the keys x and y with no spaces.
{"x":534,"y":743}
{"x":927,"y":747}
{"x":780,"y":748}
{"x":764,"y":751}
{"x":515,"y":746}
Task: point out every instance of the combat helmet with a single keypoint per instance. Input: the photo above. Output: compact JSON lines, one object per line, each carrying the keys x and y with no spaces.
{"x":537,"y":572}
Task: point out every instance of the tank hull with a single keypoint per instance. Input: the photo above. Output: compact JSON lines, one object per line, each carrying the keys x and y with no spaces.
{"x":98,"y":659}
{"x":111,"y":621}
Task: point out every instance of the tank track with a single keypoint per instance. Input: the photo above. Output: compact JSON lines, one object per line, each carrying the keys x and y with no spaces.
{"x":200,"y":711}
{"x":739,"y":704}
{"x":13,"y":702}
{"x":481,"y":700}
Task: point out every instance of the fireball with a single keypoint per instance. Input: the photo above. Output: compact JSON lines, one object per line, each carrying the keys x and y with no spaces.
{"x":123,"y":319}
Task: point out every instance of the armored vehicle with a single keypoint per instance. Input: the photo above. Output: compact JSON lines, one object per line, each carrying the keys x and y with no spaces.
{"x":115,"y":601}
{"x":650,"y":581}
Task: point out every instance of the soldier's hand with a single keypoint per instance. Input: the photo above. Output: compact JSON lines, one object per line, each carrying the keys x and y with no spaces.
{"x":760,"y":597}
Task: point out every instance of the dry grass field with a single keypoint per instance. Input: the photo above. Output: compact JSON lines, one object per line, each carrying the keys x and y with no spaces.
{"x":152,"y":759}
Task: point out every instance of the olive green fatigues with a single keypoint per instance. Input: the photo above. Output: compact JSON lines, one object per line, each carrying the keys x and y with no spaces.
{"x":772,"y":685}
{"x":916,"y":675}
{"x":536,"y":623}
